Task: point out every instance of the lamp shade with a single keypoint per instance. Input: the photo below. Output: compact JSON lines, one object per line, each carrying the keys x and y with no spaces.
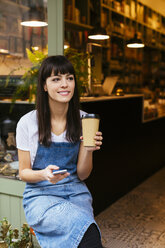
{"x":34,"y":18}
{"x":135,"y":42}
{"x":4,"y":51}
{"x":66,"y":44}
{"x":98,"y":33}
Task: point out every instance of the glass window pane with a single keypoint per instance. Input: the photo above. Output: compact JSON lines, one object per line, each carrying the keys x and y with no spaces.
{"x":15,"y":38}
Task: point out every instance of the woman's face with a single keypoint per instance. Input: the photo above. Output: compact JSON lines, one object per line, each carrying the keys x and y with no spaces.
{"x":60,"y":88}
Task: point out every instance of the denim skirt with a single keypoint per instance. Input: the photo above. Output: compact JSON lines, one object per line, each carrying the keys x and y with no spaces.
{"x":59,"y":213}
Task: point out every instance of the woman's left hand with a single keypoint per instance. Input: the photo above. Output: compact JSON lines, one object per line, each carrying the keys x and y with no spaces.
{"x":98,"y":142}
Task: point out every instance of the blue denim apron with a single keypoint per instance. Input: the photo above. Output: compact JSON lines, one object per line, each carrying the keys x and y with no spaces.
{"x":59,"y":213}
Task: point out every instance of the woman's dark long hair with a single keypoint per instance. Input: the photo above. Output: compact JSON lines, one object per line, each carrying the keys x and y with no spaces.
{"x":56,"y":64}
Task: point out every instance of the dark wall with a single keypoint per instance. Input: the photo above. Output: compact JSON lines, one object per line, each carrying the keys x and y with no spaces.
{"x":131,"y":150}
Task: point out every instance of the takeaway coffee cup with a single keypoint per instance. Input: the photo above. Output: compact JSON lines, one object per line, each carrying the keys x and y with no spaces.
{"x":90,"y":125}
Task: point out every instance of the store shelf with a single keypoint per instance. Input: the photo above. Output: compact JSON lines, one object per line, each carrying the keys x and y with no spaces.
{"x":78,"y":24}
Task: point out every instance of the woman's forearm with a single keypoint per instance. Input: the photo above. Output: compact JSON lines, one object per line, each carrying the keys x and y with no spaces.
{"x":32,"y":176}
{"x":25,"y":171}
{"x":85,"y":163}
{"x":85,"y":158}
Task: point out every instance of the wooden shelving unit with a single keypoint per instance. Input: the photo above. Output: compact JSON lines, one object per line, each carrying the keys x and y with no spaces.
{"x":77,"y":23}
{"x":121,"y":21}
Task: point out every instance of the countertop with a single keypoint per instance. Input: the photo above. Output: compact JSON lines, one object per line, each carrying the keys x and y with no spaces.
{"x":104,"y":98}
{"x":84,"y":99}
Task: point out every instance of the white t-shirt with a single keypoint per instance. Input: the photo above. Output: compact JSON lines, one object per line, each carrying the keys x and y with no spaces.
{"x":27,"y":134}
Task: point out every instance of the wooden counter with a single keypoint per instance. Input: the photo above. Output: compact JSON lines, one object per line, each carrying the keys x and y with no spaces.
{"x":22,"y":107}
{"x":106,"y":98}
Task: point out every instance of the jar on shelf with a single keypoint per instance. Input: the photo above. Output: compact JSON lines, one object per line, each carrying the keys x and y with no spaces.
{"x":8,"y":129}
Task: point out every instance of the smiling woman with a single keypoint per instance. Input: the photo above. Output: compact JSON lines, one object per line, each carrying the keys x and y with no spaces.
{"x":48,"y":139}
{"x":52,"y":73}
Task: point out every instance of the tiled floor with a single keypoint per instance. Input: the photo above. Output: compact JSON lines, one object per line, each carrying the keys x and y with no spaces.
{"x":137,"y":220}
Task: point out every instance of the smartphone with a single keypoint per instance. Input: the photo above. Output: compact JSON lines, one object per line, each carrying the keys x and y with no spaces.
{"x":55,"y":172}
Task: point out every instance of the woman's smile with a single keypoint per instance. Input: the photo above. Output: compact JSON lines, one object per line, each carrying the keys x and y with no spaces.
{"x":64,"y":93}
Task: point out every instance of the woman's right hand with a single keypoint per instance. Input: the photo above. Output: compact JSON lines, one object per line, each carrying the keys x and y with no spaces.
{"x":48,"y":174}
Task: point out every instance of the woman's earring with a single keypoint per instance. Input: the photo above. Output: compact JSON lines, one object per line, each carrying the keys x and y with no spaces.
{"x":45,"y":88}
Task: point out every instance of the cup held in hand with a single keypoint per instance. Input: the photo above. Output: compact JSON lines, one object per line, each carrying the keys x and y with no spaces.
{"x":90,"y":125}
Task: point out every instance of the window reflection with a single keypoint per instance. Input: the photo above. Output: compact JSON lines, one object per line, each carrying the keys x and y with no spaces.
{"x":15,"y":38}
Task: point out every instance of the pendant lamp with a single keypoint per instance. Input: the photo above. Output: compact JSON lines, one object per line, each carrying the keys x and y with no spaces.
{"x":98,"y":33}
{"x":4,"y":51}
{"x":135,"y":42}
{"x":66,"y":44}
{"x":34,"y":18}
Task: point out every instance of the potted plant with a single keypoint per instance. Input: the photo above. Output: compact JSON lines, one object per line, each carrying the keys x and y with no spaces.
{"x":27,"y":87}
{"x":10,"y":237}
